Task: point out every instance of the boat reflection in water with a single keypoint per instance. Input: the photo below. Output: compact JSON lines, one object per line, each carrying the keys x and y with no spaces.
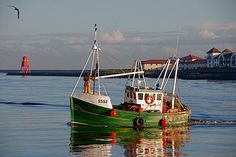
{"x":93,"y":141}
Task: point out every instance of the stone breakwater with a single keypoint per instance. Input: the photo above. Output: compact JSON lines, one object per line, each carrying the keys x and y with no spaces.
{"x":190,"y":74}
{"x":72,"y":73}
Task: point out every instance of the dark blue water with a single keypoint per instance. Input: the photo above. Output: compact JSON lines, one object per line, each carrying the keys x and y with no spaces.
{"x":34,"y":113}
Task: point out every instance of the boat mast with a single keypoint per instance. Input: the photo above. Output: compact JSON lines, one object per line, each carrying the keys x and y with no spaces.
{"x":138,"y":69}
{"x":141,"y":69}
{"x":164,"y":77}
{"x":176,"y":73}
{"x":135,"y":68}
{"x":95,"y":50}
{"x":175,"y":80}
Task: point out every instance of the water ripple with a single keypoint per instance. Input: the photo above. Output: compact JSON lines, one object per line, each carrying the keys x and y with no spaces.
{"x":211,"y":122}
{"x":33,"y":104}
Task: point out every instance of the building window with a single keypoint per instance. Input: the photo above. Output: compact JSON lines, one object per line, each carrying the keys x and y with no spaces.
{"x":146,"y":95}
{"x":233,"y":61}
{"x":154,"y":96}
{"x":134,"y":96}
{"x":221,"y":61}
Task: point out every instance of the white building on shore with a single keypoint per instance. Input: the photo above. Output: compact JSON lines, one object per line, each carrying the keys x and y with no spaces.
{"x":192,"y":62}
{"x":214,"y":58}
{"x":186,"y":62}
{"x":223,"y":59}
{"x":154,"y":64}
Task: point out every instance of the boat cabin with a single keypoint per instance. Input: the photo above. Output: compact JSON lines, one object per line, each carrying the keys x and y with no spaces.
{"x":145,"y":98}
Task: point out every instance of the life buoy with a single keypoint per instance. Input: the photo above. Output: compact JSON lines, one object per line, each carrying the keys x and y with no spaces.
{"x":149,"y":99}
{"x":138,"y":122}
{"x":113,"y":113}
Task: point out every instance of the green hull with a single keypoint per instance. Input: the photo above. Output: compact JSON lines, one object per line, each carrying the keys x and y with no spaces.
{"x":89,"y":114}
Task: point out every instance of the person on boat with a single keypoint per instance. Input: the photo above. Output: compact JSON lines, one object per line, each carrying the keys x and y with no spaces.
{"x":87,"y":84}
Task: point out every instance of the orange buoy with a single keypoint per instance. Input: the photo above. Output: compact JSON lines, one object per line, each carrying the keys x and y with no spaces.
{"x":140,"y":109}
{"x":113,"y":113}
{"x":164,"y":122}
{"x":113,"y":137}
{"x":164,"y":109}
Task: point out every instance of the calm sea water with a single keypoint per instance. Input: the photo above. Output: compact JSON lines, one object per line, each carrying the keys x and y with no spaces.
{"x":34,"y":112}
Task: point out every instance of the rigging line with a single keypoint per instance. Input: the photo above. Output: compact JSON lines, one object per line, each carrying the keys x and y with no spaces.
{"x":177,"y":84}
{"x":160,"y":75}
{"x":98,"y":71}
{"x":164,"y":77}
{"x":81,"y":73}
{"x":169,"y":76}
{"x":104,"y":89}
{"x":129,"y":76}
{"x":177,"y":42}
{"x":141,"y":68}
{"x":179,"y":97}
{"x":117,"y":60}
{"x":91,"y":70}
{"x":135,"y":69}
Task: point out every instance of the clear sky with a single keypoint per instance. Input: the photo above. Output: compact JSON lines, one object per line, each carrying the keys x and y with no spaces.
{"x":57,"y":34}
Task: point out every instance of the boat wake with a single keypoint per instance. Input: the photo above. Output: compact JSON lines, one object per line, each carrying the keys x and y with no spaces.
{"x":211,"y":122}
{"x":32,"y":104}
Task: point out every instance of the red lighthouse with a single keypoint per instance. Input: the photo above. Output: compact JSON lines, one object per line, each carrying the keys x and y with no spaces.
{"x":25,"y":68}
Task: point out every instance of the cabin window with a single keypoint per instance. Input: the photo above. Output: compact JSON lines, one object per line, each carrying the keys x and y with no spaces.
{"x":158,"y":96}
{"x":140,"y":96}
{"x":131,"y":95}
{"x":146,"y":95}
{"x":134,"y":96}
{"x":154,"y":96}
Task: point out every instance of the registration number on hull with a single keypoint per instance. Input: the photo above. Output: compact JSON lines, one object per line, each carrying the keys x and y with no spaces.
{"x":102,"y":101}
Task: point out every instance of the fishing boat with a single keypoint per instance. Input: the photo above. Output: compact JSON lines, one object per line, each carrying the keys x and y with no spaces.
{"x":143,"y":106}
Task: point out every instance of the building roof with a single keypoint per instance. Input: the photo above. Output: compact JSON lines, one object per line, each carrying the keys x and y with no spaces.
{"x":200,"y":61}
{"x":157,"y":61}
{"x":213,"y":50}
{"x":228,"y":54}
{"x":190,"y":58}
{"x":227,"y":51}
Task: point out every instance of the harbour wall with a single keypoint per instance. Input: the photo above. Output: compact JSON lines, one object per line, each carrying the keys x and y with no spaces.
{"x":194,"y":74}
